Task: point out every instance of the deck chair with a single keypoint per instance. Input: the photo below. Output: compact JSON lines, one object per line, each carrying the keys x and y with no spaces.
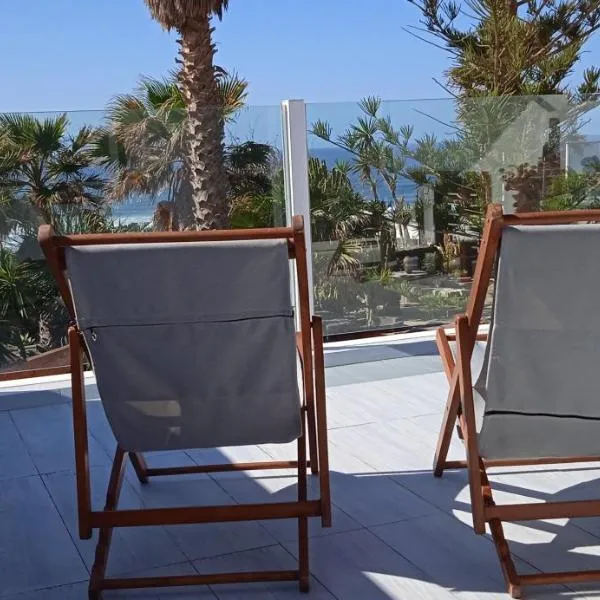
{"x":192,"y":339}
{"x":527,"y":392}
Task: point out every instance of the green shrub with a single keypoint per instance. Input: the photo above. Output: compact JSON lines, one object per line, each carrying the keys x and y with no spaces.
{"x":431,"y":263}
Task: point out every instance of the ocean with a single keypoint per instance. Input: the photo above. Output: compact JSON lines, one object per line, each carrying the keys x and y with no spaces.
{"x":139,"y":209}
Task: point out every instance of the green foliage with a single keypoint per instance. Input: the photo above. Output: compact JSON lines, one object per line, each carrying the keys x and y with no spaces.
{"x":17,"y":287}
{"x":337,"y":211}
{"x":256,"y":200}
{"x":383,"y":154}
{"x":250,"y":167}
{"x":443,"y":305}
{"x":43,"y":166}
{"x":519,"y":47}
{"x":338,"y":214}
{"x":144,"y":147}
{"x":24,"y":294}
{"x":431,"y":263}
{"x":407,"y":290}
{"x":256,"y":211}
{"x":573,"y":191}
{"x":383,"y":277}
{"x":71,"y":220}
{"x":379,"y":153}
{"x":506,"y":56}
{"x":378,"y":150}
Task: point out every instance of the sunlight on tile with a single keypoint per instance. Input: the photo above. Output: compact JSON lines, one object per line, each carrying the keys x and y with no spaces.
{"x":589,"y":550}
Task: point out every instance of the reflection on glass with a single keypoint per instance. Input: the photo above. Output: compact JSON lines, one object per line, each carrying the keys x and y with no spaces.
{"x":114,"y":170}
{"x":399,"y":191}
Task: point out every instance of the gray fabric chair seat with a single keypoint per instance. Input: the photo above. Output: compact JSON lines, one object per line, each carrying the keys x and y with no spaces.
{"x":539,"y":378}
{"x":193,"y":344}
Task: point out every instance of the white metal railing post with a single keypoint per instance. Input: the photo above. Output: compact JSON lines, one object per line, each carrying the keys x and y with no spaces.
{"x":428,"y":200}
{"x":295,"y":172}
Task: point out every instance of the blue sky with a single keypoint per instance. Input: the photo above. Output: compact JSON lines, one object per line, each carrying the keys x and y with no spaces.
{"x":76,"y":54}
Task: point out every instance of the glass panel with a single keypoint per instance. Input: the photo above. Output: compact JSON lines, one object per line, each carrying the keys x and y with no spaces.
{"x":109,"y":171}
{"x":399,"y":192}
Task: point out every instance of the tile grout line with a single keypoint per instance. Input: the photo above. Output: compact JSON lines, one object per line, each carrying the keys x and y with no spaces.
{"x":486,"y":537}
{"x":22,"y":595}
{"x":51,"y":498}
{"x":216,"y":481}
{"x":309,"y":475}
{"x":62,"y":520}
{"x":20,"y":435}
{"x":311,"y":574}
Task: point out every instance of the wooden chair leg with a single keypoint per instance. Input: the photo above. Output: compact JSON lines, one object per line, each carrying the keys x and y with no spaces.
{"x":309,"y":400}
{"x":321,"y":406}
{"x":80,"y":432}
{"x":312,"y":436}
{"x":509,"y":570}
{"x":105,"y":537}
{"x":139,"y":466}
{"x":304,"y":576}
{"x":446,"y":431}
{"x":303,"y":564}
{"x":452,"y":406}
{"x":506,"y":562}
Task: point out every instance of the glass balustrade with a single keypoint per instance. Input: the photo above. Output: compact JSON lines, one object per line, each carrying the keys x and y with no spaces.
{"x":399,"y":189}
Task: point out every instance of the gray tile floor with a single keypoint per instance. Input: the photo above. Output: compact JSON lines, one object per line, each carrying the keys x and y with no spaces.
{"x":398,"y":533}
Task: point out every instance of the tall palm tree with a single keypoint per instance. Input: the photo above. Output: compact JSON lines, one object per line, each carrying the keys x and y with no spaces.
{"x":143,"y":147}
{"x":204,"y":127}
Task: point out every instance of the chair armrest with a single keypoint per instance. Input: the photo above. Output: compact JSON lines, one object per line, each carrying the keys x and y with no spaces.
{"x":442,"y":340}
{"x":481,"y":336}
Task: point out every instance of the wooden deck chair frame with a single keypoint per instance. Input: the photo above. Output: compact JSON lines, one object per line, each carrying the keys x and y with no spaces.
{"x":314,"y":420}
{"x":460,"y":412}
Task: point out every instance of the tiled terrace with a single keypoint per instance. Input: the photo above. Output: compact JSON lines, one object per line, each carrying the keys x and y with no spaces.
{"x":398,"y":532}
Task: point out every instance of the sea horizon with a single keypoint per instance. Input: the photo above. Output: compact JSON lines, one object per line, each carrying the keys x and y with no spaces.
{"x":140,"y":209}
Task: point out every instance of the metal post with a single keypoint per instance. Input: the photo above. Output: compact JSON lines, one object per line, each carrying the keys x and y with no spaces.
{"x":295,"y":171}
{"x":428,"y":198}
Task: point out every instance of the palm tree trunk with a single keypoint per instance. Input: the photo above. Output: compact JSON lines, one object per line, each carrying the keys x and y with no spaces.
{"x":182,"y":201}
{"x":205,"y":127}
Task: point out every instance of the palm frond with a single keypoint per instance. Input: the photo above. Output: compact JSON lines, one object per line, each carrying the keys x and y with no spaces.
{"x":233,"y":92}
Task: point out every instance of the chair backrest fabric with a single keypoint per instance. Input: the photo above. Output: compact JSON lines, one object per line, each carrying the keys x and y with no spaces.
{"x":540,"y":378}
{"x":192,"y":343}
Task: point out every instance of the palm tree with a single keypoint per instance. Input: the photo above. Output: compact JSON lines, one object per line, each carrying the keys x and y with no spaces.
{"x":19,"y":291}
{"x":43,"y":167}
{"x":143,"y":143}
{"x":204,"y":126}
{"x":338,"y":213}
{"x":378,"y":156}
